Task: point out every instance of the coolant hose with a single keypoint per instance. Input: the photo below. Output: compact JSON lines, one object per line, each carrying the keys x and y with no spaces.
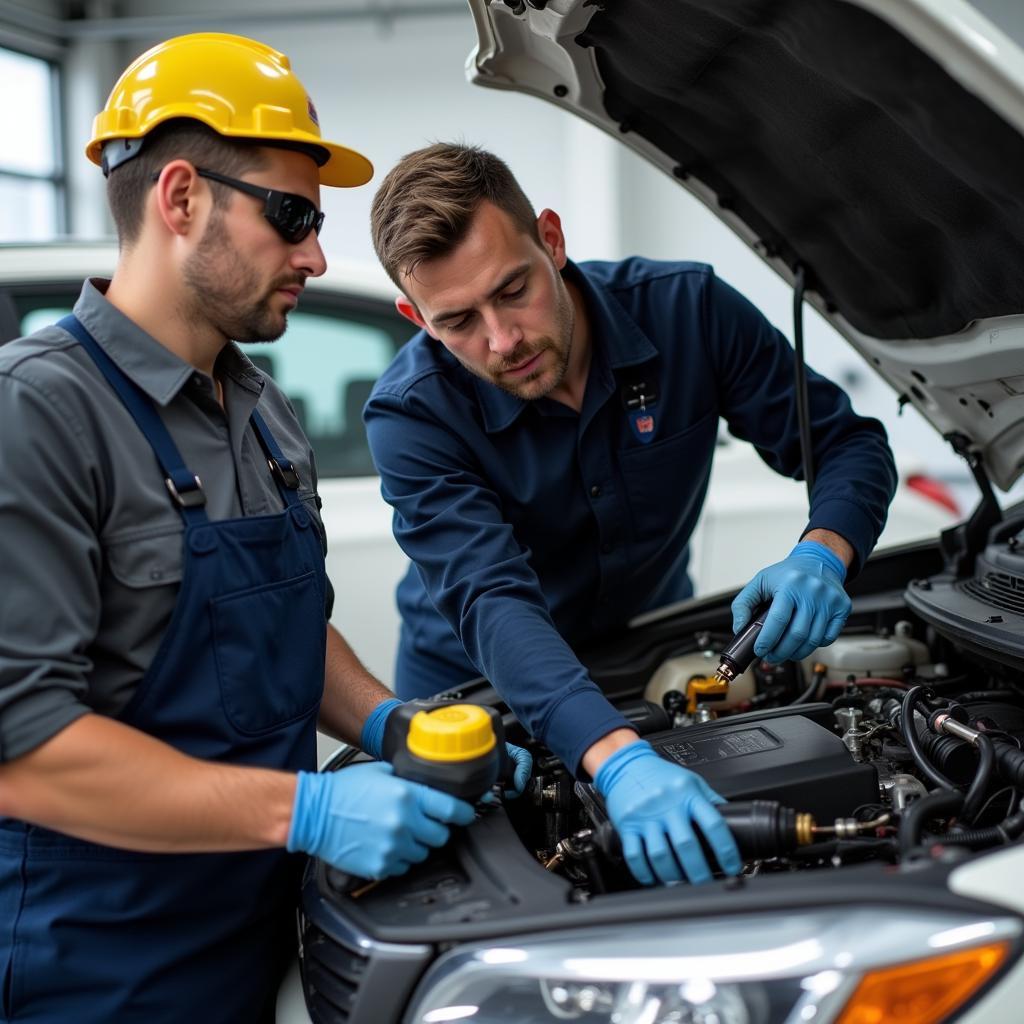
{"x":817,"y":678}
{"x":914,"y":745}
{"x":982,"y":777}
{"x":945,"y":801}
{"x":1004,"y":832}
{"x":1010,"y":759}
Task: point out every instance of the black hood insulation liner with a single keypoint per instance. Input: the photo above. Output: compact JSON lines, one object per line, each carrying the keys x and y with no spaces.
{"x":839,"y":142}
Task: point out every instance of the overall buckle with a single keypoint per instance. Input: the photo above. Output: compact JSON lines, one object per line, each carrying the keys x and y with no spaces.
{"x":190,"y":497}
{"x":284,"y":473}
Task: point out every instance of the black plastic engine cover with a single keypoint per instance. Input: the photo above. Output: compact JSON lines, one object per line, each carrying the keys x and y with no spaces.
{"x":787,"y":758}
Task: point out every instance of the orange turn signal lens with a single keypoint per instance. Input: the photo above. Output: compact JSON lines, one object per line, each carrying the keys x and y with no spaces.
{"x":923,"y":992}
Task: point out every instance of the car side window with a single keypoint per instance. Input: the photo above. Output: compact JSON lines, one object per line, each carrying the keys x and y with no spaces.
{"x":36,"y":319}
{"x":326,"y":364}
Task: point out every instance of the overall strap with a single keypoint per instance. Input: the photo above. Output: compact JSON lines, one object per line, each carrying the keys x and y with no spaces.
{"x":184,"y":487}
{"x":281,"y":468}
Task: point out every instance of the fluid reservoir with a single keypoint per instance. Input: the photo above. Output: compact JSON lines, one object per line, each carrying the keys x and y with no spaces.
{"x":675,"y":673}
{"x":451,"y":747}
{"x":870,"y":655}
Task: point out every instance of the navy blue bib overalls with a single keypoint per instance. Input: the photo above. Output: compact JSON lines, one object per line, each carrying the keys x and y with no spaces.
{"x":93,"y":934}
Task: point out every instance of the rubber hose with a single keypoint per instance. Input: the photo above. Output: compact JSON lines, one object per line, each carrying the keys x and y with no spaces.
{"x":1004,"y":832}
{"x":805,"y":695}
{"x":858,"y":846}
{"x":1010,"y":760}
{"x":911,"y":740}
{"x":982,"y":776}
{"x":950,"y":755}
{"x":945,"y":801}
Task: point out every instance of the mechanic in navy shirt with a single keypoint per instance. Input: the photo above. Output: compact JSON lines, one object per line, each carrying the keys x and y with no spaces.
{"x":539,"y":511}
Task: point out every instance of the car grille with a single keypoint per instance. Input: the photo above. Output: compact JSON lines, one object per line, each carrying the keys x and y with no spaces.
{"x":999,"y":590}
{"x":331,"y":975}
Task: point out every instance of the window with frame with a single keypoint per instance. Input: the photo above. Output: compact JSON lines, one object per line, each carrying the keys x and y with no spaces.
{"x":334,"y":350}
{"x":32,"y":183}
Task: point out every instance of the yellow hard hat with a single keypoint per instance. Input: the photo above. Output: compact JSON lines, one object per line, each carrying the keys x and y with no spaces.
{"x":238,"y":87}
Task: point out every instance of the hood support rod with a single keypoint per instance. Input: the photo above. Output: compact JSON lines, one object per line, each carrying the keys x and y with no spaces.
{"x":800,"y":382}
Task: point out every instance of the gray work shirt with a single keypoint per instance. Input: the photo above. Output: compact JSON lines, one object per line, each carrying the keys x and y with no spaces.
{"x":90,"y":542}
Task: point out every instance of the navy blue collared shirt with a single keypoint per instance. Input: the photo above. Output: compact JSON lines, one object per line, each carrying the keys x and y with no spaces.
{"x":532,"y":528}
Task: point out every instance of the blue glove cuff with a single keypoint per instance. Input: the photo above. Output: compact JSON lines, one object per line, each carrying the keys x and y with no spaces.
{"x":612,"y":768}
{"x":826,"y":554}
{"x":372,"y":735}
{"x":308,"y":791}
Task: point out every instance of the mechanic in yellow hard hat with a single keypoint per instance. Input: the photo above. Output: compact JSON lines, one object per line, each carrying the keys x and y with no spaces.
{"x":164,"y":643}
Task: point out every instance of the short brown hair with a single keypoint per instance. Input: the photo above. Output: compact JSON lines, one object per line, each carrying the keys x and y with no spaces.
{"x":181,"y":138}
{"x":426,"y":203}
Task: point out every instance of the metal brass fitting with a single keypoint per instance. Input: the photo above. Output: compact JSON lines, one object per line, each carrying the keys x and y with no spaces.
{"x":703,"y":688}
{"x":804,"y":828}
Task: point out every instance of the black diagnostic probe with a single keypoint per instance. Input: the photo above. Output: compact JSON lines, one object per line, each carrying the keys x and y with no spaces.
{"x":739,"y":653}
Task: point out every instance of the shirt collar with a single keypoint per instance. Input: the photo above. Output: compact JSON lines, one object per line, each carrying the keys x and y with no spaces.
{"x":152,"y":366}
{"x":612,"y":330}
{"x":235,"y":364}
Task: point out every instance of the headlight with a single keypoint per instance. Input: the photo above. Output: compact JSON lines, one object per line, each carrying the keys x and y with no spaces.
{"x":860,"y":966}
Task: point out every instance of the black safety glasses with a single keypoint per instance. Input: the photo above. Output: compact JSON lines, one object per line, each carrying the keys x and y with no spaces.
{"x":291,"y":216}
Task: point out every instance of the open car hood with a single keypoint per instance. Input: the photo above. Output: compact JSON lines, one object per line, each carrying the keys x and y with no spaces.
{"x":877,"y":143}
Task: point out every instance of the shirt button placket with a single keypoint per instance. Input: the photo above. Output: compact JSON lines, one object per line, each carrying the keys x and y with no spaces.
{"x":605,"y":548}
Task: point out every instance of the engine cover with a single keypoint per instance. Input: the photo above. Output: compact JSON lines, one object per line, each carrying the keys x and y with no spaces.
{"x":774,"y":756}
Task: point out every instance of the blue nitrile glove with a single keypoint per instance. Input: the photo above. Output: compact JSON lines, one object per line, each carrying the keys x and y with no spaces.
{"x":367,"y":822}
{"x":521,"y":763}
{"x":809,"y":605}
{"x":654,"y":806}
{"x":523,"y":760}
{"x":372,"y":734}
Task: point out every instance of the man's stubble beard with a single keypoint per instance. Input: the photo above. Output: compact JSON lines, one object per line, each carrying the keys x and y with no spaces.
{"x":561,"y":346}
{"x":223,"y":290}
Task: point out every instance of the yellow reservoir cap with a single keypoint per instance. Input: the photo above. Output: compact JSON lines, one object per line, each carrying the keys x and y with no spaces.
{"x":455,"y":732}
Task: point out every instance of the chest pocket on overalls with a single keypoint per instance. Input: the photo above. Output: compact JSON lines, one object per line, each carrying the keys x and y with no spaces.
{"x":269,"y":642}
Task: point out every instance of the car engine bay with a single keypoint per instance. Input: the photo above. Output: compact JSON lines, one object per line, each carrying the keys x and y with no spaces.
{"x":865,"y":774}
{"x":815,"y":759}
